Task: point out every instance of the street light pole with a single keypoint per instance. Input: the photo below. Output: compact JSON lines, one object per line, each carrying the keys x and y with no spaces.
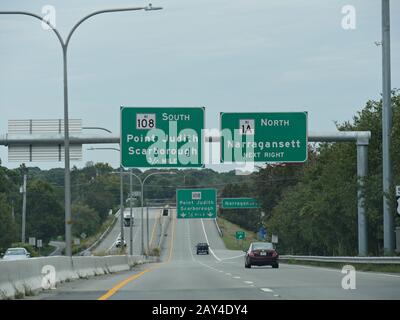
{"x":64,"y":46}
{"x":131,"y":214}
{"x":141,"y":216}
{"x":144,"y":180}
{"x":121,"y":205}
{"x":388,"y":229}
{"x":23,"y":237}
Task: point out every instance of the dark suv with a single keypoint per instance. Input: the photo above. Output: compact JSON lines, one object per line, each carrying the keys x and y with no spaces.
{"x":202,"y":247}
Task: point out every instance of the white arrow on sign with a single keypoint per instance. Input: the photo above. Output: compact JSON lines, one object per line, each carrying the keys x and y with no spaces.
{"x":210,"y":214}
{"x":183,"y":215}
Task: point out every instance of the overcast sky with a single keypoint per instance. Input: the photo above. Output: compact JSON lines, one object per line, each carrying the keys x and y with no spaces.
{"x":226,"y":55}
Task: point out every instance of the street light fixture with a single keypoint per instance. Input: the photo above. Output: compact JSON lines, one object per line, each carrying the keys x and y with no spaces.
{"x":64,"y":45}
{"x":142,"y":182}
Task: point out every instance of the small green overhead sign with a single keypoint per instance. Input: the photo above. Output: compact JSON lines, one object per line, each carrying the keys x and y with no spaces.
{"x":196,"y":203}
{"x":239,"y":203}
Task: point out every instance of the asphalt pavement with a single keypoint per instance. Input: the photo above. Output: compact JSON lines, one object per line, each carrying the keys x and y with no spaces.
{"x":183,"y":275}
{"x":107,"y":246}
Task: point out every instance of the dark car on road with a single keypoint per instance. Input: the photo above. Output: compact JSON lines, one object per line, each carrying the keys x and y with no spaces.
{"x":261,"y":254}
{"x":202,"y":247}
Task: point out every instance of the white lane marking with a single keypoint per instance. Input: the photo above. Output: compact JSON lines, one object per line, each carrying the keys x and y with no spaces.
{"x":267,"y":290}
{"x":206,"y":265}
{"x":212,"y":251}
{"x":205,"y":234}
{"x":237,"y":277}
{"x":112,"y":246}
{"x":248,"y":282}
{"x":191,"y":253}
{"x":235,"y":257}
{"x":228,"y":274}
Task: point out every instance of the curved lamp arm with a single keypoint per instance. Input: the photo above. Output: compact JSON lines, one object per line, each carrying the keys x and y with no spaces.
{"x":41,"y":19}
{"x":96,"y":13}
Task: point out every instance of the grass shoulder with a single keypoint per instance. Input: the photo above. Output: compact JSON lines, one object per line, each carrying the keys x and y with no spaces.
{"x":229,"y":235}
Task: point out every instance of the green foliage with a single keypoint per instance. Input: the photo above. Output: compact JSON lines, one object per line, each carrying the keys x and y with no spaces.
{"x":85,"y":219}
{"x":229,"y":235}
{"x":45,"y":214}
{"x":7,"y":225}
{"x":317,"y":214}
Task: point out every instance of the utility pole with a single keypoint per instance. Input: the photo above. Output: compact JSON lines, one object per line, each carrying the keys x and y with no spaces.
{"x":121,"y":191}
{"x":131,"y":214}
{"x":23,"y":191}
{"x":147,"y":230}
{"x":388,"y":229}
{"x":12,"y":210}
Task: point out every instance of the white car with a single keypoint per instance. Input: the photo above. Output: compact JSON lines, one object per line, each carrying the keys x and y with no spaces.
{"x":118,"y":242}
{"x":16,"y":254}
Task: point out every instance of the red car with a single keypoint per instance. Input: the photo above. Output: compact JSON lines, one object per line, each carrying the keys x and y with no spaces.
{"x":261,"y":254}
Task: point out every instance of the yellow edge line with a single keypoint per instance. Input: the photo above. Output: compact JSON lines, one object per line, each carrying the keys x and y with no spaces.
{"x":123,"y":283}
{"x":172,"y":240}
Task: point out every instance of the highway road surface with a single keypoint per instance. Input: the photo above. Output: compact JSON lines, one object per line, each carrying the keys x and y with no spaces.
{"x":107,"y":246}
{"x":183,"y":275}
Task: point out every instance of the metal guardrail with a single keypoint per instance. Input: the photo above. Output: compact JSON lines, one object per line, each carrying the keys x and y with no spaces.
{"x":104,"y":234}
{"x":371,"y":260}
{"x":218,"y":228}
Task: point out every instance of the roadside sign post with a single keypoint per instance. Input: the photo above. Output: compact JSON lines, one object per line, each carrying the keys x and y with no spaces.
{"x":162,"y":137}
{"x":196,"y":203}
{"x":264,"y":137}
{"x":32,"y":241}
{"x":262,"y":234}
{"x":240,"y":236}
{"x":39,"y":244}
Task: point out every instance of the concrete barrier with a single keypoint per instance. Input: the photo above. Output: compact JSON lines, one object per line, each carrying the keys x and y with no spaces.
{"x":89,"y":266}
{"x":25,"y":277}
{"x":28,"y":277}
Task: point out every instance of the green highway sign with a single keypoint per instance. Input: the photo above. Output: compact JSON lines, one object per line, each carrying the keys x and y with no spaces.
{"x":196,"y":203}
{"x":161,"y":137}
{"x":239,"y":203}
{"x":240,"y":235}
{"x":264,"y":137}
